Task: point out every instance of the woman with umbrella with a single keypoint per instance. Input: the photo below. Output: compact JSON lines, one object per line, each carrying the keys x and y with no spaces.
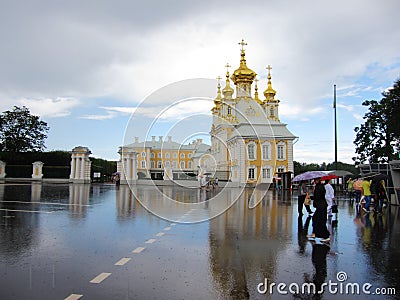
{"x":320,"y":213}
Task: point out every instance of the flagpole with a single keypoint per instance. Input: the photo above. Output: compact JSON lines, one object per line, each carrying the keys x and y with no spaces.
{"x":334,"y":108}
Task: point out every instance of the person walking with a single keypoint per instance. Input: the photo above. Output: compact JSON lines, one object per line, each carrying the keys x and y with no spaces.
{"x":302,"y":190}
{"x":329,"y":196}
{"x":350,"y":189}
{"x":320,"y":214}
{"x":366,"y":185}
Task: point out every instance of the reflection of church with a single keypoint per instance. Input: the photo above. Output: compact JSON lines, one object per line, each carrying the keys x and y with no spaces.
{"x":248,"y":140}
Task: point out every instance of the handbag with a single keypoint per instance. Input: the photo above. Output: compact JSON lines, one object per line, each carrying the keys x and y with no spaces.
{"x":334,"y":208}
{"x":307,"y":200}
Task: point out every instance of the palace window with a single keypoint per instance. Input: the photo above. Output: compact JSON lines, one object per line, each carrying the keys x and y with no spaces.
{"x":190,"y":155}
{"x":159,"y":164}
{"x":251,"y":173}
{"x":159,"y":155}
{"x":251,"y":151}
{"x":281,"y":169}
{"x":152,"y":164}
{"x":143,"y":154}
{"x":167,"y":164}
{"x":167,"y":155}
{"x":152,"y":155}
{"x":143,"y":164}
{"x":175,"y":155}
{"x":266,"y":173}
{"x":174,"y":164}
{"x":190,"y":164}
{"x":182,"y":155}
{"x":182,"y":164}
{"x":281,"y":151}
{"x":229,"y":110}
{"x":266,"y":151}
{"x":272,"y":112}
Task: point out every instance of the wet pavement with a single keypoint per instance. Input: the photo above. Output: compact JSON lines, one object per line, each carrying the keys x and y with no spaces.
{"x":98,"y":242}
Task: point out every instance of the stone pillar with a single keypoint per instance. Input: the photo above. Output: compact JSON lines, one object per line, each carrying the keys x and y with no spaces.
{"x":127,"y":165}
{"x":2,"y":170}
{"x":37,"y":173}
{"x":80,"y":165}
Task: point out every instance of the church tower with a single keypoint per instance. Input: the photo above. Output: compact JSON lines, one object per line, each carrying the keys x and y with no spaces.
{"x":248,"y":141}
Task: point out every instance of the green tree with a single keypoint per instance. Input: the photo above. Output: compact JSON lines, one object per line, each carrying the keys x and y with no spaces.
{"x":22,"y":132}
{"x":377,"y":140}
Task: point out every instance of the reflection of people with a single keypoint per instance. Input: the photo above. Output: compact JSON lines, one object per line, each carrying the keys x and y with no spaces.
{"x":302,"y":190}
{"x":302,"y":232}
{"x":318,"y":257}
{"x":320,"y":213}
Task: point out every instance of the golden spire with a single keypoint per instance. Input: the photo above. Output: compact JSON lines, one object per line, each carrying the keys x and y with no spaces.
{"x":228,"y":90}
{"x":217,"y":100}
{"x":269,"y":93}
{"x":243,"y":73}
{"x":256,"y":92}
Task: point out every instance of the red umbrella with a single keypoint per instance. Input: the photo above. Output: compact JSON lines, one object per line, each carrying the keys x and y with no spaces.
{"x":329,"y":177}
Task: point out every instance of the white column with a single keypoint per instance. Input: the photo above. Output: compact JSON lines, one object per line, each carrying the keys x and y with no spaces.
{"x":82,"y":163}
{"x":2,"y":169}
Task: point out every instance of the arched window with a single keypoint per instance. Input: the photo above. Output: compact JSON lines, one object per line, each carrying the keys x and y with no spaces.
{"x":152,"y":164}
{"x":229,"y":110}
{"x":167,"y":155}
{"x":251,"y":150}
{"x":159,"y":155}
{"x":152,"y":155}
{"x":175,"y":155}
{"x":159,"y":164}
{"x":266,"y":151}
{"x":281,"y":151}
{"x":182,"y":155}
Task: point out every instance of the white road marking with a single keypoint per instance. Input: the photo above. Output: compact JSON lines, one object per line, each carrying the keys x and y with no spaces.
{"x":73,"y":297}
{"x":138,"y":249}
{"x":122,"y":261}
{"x":150,"y":241}
{"x":173,"y":224}
{"x":28,"y":211}
{"x":99,"y":278}
{"x":167,"y":228}
{"x":160,"y":234}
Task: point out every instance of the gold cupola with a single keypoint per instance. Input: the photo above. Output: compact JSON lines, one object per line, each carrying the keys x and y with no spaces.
{"x":218,"y":99}
{"x":227,"y":90}
{"x":269,"y":93}
{"x":243,"y":76}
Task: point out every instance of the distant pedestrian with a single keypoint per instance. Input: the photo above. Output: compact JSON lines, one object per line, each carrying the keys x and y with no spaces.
{"x":329,"y":196}
{"x":366,"y":185}
{"x":350,"y":190}
{"x":320,"y":213}
{"x":302,"y":191}
{"x":216,"y":181}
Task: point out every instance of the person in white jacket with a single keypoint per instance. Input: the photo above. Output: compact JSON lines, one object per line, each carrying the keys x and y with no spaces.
{"x":329,"y":196}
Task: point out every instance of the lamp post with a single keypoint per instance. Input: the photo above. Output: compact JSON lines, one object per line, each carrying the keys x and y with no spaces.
{"x":334,"y":109}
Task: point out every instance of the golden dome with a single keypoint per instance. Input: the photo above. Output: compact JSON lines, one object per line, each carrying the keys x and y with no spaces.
{"x":217,"y":100}
{"x":269,"y":93}
{"x":243,"y":73}
{"x":227,"y":90}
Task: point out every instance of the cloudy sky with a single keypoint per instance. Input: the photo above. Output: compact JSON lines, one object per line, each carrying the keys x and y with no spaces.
{"x":85,"y":66}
